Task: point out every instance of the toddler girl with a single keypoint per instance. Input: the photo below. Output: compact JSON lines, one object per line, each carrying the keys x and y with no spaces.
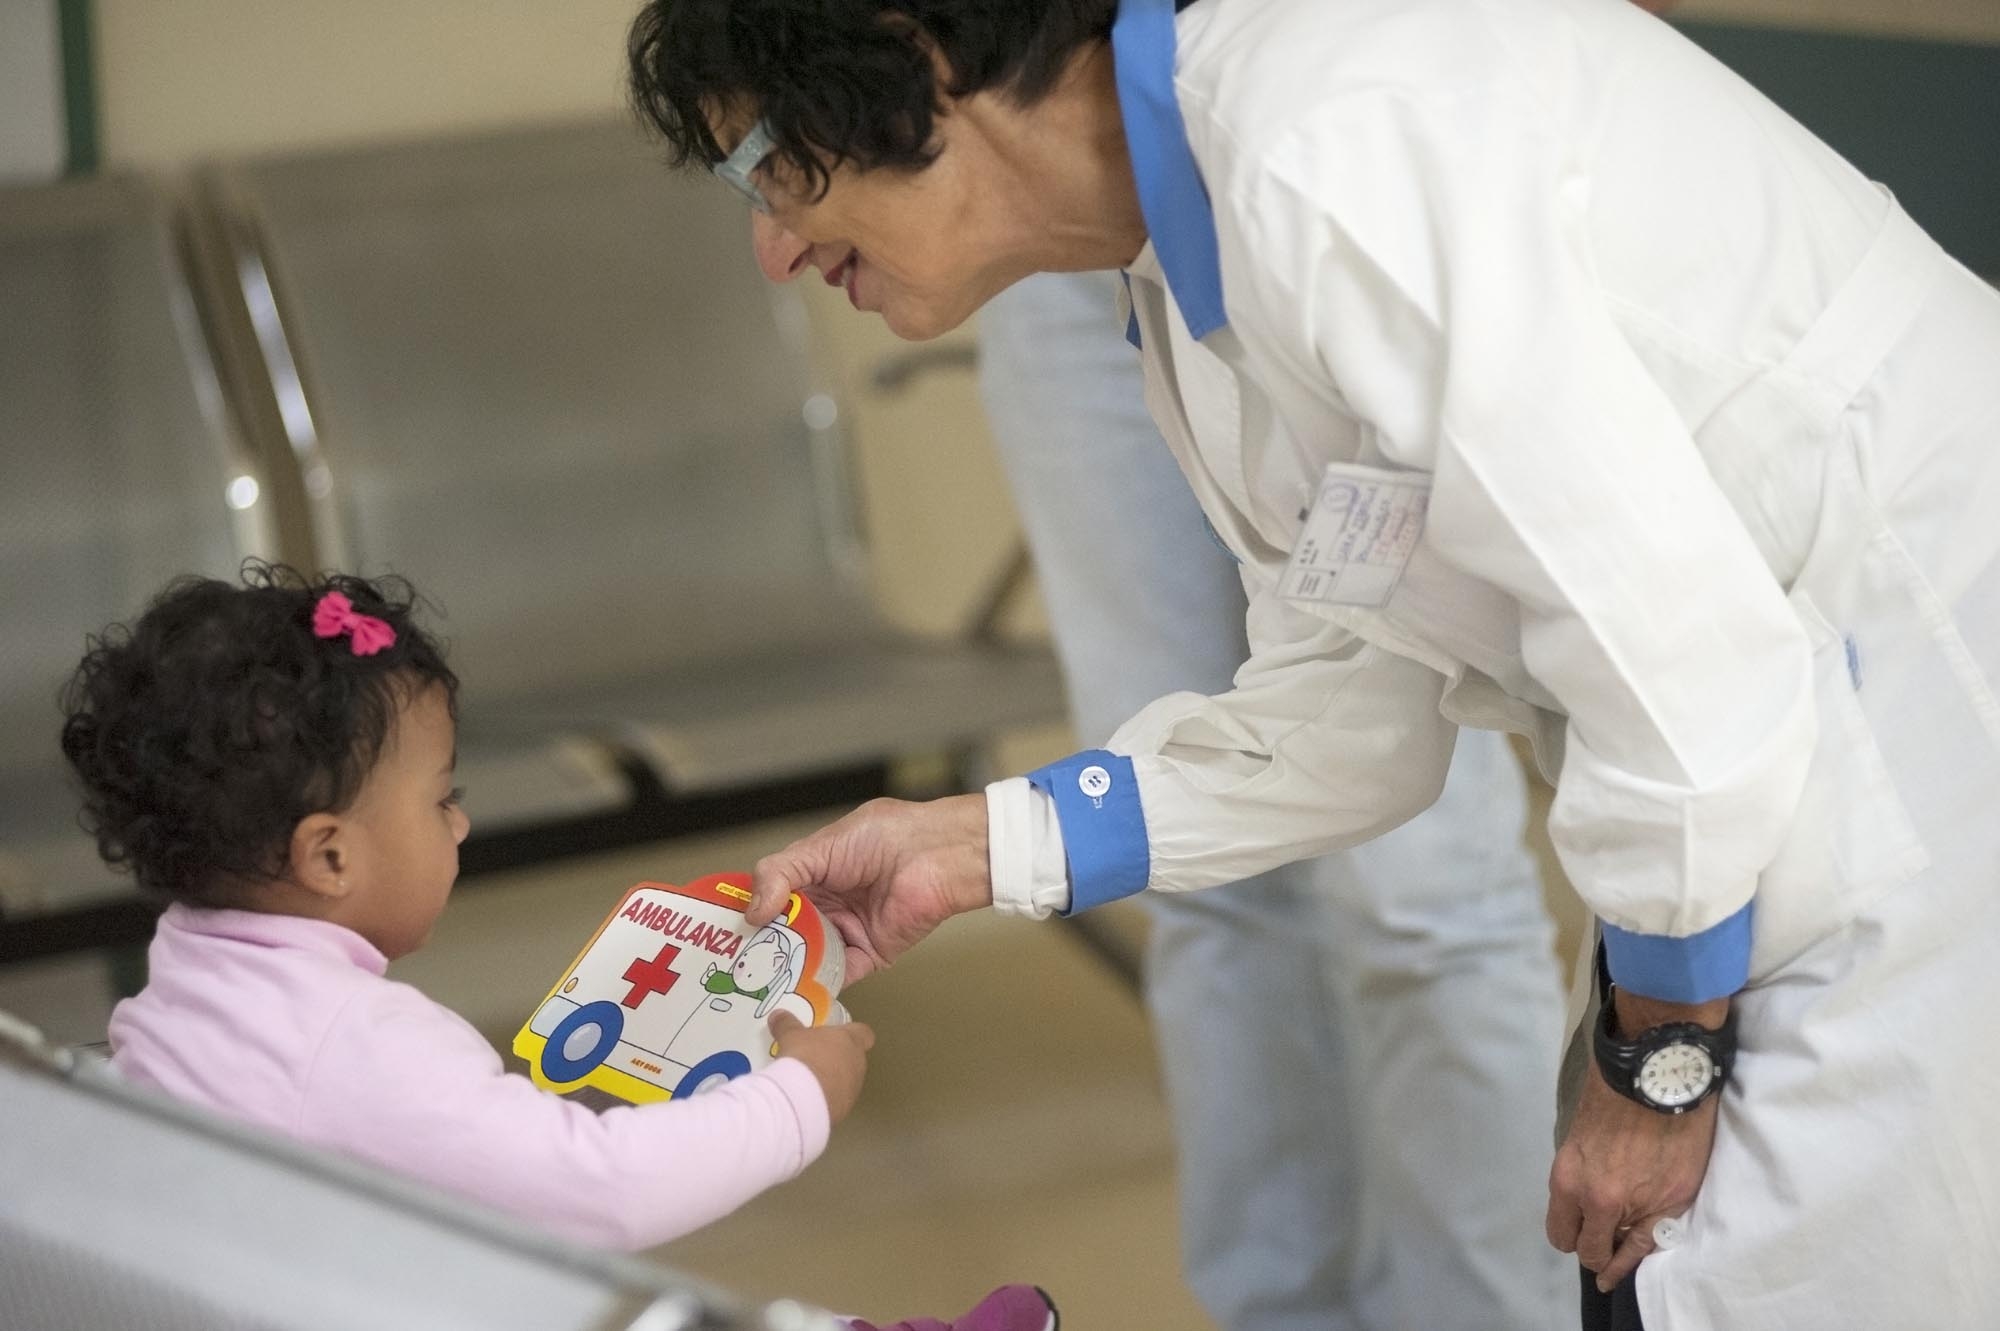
{"x":275,"y":759}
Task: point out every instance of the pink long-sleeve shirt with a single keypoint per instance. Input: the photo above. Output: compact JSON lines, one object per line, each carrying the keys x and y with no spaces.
{"x":290,"y":1024}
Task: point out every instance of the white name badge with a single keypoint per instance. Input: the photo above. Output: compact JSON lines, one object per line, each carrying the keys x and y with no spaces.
{"x":1359,"y":536}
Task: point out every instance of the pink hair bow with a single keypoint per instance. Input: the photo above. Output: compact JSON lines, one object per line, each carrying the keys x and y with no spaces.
{"x":335,"y":615}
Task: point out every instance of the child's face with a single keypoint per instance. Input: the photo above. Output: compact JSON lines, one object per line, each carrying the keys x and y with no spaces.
{"x":406,"y":826}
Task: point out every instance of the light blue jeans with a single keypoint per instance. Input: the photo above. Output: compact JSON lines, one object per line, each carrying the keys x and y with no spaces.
{"x":1360,"y":1051}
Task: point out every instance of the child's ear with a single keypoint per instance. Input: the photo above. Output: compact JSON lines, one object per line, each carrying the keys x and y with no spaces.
{"x":319,"y":859}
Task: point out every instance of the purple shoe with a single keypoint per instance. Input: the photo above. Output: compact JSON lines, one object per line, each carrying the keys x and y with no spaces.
{"x":1008,"y":1308}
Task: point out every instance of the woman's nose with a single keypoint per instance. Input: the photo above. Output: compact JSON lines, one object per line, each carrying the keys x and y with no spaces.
{"x":782,"y":255}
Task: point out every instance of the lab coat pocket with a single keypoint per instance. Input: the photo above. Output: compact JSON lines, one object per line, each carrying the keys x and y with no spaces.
{"x":1852,"y":839}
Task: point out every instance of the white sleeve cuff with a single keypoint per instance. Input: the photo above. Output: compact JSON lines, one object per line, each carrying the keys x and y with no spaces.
{"x":1024,"y":850}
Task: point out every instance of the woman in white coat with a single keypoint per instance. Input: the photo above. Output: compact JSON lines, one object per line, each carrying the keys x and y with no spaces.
{"x":1544,"y":377}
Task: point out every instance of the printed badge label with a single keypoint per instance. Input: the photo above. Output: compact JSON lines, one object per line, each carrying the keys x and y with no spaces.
{"x":1360,"y":533}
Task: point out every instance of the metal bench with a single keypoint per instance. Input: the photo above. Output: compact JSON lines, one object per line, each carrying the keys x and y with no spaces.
{"x":121,"y":467}
{"x":124,"y":1209}
{"x":542,"y":376}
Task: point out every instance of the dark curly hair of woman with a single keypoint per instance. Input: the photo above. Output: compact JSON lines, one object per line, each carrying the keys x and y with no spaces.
{"x":843,"y":80}
{"x":206,"y":730}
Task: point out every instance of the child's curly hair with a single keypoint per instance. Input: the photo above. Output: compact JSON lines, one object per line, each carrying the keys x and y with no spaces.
{"x":207,"y":730}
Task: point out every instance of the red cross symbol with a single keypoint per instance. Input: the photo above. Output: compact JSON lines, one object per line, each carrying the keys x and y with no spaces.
{"x":652,"y":977}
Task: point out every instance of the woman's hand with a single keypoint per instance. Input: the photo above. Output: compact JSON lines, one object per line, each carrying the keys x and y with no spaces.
{"x":1624,"y":1167}
{"x":884,"y":876}
{"x":836,"y":1055}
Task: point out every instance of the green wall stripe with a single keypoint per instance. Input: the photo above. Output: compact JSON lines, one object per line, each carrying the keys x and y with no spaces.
{"x":1922,"y":117}
{"x":79,"y":86}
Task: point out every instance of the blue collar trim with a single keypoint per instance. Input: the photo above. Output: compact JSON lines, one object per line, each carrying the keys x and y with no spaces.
{"x":1171,"y":193}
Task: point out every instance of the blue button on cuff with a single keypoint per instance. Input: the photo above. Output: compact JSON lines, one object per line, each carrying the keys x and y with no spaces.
{"x":1096,"y":795}
{"x":1714,"y":963}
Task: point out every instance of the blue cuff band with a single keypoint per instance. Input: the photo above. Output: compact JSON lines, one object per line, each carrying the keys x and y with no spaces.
{"x":1104,"y":828}
{"x":1714,"y":963}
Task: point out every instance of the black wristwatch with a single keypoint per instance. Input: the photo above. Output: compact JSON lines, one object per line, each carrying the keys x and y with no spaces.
{"x":1669,"y":1069}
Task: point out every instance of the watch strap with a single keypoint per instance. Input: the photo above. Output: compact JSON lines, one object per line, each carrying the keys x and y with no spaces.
{"x":1620,"y":1057}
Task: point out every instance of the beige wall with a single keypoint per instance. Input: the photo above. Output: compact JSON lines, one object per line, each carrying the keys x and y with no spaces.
{"x":1958,"y":20}
{"x":196,"y":78}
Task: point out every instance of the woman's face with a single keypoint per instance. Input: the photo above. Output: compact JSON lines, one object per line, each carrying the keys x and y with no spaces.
{"x":923,"y":248}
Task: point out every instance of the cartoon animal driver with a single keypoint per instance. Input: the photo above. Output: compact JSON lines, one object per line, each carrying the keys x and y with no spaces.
{"x":766,"y":969}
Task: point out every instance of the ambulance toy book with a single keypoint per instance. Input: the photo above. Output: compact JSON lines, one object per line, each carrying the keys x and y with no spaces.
{"x":675,"y":992}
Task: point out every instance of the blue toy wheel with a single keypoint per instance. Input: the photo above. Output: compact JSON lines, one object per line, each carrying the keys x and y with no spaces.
{"x":727,"y":1064}
{"x":603,"y":1017}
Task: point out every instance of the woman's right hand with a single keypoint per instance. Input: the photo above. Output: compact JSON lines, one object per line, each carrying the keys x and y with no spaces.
{"x":837,"y":1056}
{"x":884,"y":876}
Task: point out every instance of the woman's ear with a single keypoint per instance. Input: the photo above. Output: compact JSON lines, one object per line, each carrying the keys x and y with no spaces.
{"x":319,"y":857}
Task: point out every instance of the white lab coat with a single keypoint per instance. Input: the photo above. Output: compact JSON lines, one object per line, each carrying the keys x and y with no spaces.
{"x":1715,"y":521}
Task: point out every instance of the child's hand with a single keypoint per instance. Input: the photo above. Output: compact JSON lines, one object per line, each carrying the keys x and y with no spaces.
{"x":837,"y":1055}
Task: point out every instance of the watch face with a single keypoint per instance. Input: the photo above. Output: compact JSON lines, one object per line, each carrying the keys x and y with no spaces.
{"x":1677,"y":1075}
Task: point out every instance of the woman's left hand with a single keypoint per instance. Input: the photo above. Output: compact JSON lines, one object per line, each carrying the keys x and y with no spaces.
{"x":1624,"y":1167}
